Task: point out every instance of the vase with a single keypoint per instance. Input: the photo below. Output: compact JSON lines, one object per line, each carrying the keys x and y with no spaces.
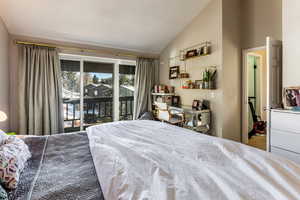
{"x":211,"y":85}
{"x":205,"y":85}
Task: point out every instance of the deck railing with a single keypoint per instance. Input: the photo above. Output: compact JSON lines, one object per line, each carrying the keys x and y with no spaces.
{"x":96,"y":111}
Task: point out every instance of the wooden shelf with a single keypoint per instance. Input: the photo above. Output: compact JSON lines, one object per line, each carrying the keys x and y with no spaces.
{"x":196,"y":89}
{"x":163,"y":94}
{"x":194,"y":57}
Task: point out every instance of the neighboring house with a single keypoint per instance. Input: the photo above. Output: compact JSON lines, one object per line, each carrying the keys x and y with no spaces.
{"x":104,"y":90}
{"x":98,"y":90}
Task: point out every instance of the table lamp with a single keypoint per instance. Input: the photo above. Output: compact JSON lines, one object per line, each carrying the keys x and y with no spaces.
{"x":3,"y":116}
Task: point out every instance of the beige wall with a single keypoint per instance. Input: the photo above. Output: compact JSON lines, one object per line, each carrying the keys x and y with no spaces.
{"x":291,"y":43}
{"x":231,"y":76}
{"x":261,"y":18}
{"x":13,"y":64}
{"x":205,"y":27}
{"x":4,"y":78}
{"x":218,"y":23}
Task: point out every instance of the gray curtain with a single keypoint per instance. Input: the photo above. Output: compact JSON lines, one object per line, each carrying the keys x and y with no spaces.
{"x":146,"y":76}
{"x":40,"y":102}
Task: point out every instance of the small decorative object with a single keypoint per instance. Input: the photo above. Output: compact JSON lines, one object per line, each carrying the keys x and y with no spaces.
{"x":291,"y":98}
{"x":182,"y":55}
{"x":190,"y":84}
{"x":156,"y":89}
{"x":171,"y":89}
{"x":166,"y":89}
{"x":197,"y":105}
{"x":184,"y":75}
{"x":206,"y":49}
{"x":174,"y":72}
{"x":191,"y":53}
{"x":161,"y":89}
{"x":198,"y":84}
{"x":185,"y":84}
{"x":175,"y":101}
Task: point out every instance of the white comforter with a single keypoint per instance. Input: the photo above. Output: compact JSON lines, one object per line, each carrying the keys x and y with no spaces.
{"x":141,"y":160}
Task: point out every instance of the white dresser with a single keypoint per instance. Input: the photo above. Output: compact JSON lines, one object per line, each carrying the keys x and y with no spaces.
{"x":285,"y":134}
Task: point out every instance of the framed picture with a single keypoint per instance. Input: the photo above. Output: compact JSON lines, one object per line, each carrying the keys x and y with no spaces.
{"x":195,"y":104}
{"x":174,"y":72}
{"x":198,"y":84}
{"x":191,"y":53}
{"x":175,"y":100}
{"x":291,"y":97}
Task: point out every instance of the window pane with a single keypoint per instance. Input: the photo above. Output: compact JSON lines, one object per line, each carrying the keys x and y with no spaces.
{"x":127,"y":73}
{"x":71,"y":94}
{"x":98,"y":93}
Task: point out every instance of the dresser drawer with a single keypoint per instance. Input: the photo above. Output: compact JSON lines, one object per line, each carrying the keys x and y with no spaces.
{"x":285,"y":140}
{"x":285,"y":121}
{"x":286,"y":154}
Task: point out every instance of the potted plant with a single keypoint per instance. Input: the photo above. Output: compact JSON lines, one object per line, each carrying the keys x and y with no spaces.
{"x":209,"y":77}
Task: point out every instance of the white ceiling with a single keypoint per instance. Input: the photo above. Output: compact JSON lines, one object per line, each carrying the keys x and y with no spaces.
{"x":139,"y":25}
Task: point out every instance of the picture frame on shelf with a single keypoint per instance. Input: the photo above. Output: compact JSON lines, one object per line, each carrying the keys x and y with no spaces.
{"x":191,"y":53}
{"x":174,"y":72}
{"x":198,"y":84}
{"x":197,"y":105}
{"x":175,"y":101}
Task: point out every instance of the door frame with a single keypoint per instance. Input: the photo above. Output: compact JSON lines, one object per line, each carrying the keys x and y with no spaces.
{"x":116,"y":62}
{"x":245,"y":107}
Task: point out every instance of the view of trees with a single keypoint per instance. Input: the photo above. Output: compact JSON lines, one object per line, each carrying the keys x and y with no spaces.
{"x":126,"y":79}
{"x":71,"y":81}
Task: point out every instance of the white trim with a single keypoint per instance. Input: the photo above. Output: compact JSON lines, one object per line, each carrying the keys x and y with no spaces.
{"x":81,"y":95}
{"x":96,"y":59}
{"x":245,"y":107}
{"x":116,"y":92}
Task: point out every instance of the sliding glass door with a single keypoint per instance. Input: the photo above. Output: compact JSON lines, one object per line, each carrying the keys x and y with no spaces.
{"x":96,"y":91}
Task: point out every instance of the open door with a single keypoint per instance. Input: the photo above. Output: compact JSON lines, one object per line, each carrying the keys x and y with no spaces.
{"x":274,"y":79}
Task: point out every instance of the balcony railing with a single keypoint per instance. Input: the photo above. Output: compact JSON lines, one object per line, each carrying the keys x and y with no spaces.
{"x":96,"y":111}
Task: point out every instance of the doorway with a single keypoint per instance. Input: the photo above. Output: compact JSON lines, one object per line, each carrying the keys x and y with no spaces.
{"x":255,"y":97}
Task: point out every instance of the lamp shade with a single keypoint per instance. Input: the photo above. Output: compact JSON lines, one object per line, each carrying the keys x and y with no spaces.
{"x":3,"y":116}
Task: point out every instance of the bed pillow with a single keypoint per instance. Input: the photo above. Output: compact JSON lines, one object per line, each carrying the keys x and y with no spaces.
{"x":147,"y":116}
{"x":3,"y":194}
{"x":14,"y":154}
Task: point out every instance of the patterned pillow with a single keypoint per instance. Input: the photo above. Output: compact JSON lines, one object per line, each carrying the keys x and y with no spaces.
{"x":3,"y":194}
{"x":13,"y":156}
{"x":3,"y":137}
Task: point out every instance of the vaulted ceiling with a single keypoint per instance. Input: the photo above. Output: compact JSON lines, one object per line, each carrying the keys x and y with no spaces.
{"x":139,"y":25}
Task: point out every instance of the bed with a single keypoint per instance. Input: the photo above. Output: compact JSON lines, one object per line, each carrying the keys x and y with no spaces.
{"x":143,"y":159}
{"x":60,"y":168}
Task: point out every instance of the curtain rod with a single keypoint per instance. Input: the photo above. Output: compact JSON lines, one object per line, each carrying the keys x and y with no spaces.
{"x":75,"y":48}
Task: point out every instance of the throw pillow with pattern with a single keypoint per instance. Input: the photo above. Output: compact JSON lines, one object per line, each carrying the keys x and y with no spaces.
{"x":3,"y":194}
{"x":14,"y":154}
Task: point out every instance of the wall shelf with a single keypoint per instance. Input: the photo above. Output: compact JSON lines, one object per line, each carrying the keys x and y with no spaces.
{"x":196,"y":46}
{"x":194,"y":57}
{"x":196,"y":89}
{"x":163,"y":94}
